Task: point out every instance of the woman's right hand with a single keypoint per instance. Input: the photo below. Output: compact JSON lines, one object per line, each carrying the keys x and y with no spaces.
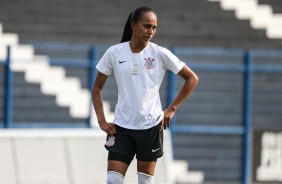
{"x":109,"y":128}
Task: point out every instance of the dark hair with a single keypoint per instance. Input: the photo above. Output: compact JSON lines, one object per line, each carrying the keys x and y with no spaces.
{"x":133,"y":17}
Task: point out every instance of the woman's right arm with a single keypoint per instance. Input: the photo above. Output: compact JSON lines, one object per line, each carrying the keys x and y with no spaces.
{"x":97,"y":100}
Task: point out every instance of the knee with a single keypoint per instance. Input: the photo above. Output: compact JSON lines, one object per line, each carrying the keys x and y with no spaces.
{"x":145,"y":178}
{"x":114,"y":178}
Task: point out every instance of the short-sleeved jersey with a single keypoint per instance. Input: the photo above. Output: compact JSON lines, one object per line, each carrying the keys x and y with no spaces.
{"x":138,"y":77}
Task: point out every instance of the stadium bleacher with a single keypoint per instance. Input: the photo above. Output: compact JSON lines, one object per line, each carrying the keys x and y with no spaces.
{"x":30,"y":105}
{"x":192,"y":23}
{"x":66,"y":30}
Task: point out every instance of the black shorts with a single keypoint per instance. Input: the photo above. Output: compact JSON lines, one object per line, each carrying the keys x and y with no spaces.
{"x":146,"y":144}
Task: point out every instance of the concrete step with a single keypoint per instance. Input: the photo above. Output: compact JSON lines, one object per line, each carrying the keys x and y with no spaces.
{"x":196,"y":30}
{"x":42,"y":117}
{"x":209,"y":119}
{"x":182,"y":175}
{"x":207,"y":141}
{"x":275,"y":5}
{"x":211,"y":108}
{"x":8,"y":39}
{"x":36,"y":103}
{"x":19,"y":53}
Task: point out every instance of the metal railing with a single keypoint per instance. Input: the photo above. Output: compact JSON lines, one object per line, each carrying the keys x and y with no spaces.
{"x":8,"y":101}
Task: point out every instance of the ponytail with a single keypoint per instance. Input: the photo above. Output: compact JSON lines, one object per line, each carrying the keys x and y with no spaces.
{"x":127,"y":31}
{"x":133,"y":17}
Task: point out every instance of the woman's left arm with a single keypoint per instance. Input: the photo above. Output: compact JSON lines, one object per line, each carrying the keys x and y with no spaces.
{"x":190,"y":82}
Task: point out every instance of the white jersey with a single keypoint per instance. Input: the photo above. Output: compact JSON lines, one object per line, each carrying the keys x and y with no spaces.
{"x":138,"y":77}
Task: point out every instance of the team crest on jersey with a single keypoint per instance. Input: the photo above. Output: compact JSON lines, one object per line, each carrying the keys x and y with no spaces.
{"x":150,"y":62}
{"x":110,"y":141}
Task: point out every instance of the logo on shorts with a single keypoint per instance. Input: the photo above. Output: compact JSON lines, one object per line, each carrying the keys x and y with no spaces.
{"x":154,"y":150}
{"x":110,"y":141}
{"x":149,"y":64}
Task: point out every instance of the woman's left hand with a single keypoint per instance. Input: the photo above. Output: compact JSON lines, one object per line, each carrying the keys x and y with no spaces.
{"x":168,"y":114}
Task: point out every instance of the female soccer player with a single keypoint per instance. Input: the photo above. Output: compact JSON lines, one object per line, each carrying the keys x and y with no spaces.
{"x":139,"y":67}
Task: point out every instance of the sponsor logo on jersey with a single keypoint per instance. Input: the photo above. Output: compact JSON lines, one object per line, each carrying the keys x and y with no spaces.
{"x":149,"y":64}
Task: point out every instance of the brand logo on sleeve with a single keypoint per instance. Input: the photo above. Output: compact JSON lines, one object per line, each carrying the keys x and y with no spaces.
{"x":121,"y":62}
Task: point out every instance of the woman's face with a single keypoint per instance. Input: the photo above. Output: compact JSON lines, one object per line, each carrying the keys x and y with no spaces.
{"x":145,"y":28}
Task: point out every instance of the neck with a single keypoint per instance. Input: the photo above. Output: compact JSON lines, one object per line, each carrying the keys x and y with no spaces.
{"x":137,"y":46}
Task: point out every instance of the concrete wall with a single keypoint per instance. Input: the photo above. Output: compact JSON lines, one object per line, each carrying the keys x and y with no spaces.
{"x":64,"y":157}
